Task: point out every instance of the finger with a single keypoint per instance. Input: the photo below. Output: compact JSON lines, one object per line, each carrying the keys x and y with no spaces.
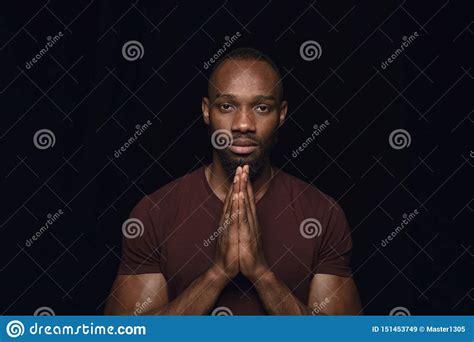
{"x":234,"y":188}
{"x":243,"y":220}
{"x":242,"y":210}
{"x":248,"y":215}
{"x":233,"y":204}
{"x":236,"y":184}
{"x":228,"y":197}
{"x":251,"y":207}
{"x":230,"y":218}
{"x":233,"y":227}
{"x":225,"y":222}
{"x":239,"y":172}
{"x":235,"y":192}
{"x":250,"y":195}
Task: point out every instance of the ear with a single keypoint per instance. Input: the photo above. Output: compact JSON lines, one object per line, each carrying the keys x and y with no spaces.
{"x":283,"y":110}
{"x":205,"y":109}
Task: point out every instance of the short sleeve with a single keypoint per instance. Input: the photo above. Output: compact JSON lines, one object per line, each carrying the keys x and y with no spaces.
{"x":334,"y":254}
{"x":140,"y":247}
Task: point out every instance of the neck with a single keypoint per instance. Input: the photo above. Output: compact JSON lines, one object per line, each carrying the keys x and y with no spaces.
{"x":220,"y":181}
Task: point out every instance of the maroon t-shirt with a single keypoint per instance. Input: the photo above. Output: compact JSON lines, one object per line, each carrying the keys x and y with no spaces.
{"x":304,"y":232}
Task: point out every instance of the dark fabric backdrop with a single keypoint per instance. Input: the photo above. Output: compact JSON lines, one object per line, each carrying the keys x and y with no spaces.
{"x":91,"y":98}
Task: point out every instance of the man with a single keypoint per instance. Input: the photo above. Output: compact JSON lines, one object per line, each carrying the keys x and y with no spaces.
{"x":238,"y":237}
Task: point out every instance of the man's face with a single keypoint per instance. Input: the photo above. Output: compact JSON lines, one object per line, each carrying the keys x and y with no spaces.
{"x":244,"y":100}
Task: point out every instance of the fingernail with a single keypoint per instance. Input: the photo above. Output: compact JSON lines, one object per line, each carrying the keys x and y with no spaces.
{"x":234,"y":197}
{"x":241,"y":194}
{"x":235,"y":179}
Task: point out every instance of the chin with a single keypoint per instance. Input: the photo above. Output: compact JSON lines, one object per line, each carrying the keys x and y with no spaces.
{"x":230,"y":161}
{"x":242,"y":159}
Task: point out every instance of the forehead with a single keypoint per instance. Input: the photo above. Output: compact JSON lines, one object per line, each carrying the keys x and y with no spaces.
{"x":244,"y":78}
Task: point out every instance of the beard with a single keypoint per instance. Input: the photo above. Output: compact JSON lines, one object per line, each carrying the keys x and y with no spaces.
{"x":255,"y":160}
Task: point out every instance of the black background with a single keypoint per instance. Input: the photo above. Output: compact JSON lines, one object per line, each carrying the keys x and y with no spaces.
{"x":91,"y":98}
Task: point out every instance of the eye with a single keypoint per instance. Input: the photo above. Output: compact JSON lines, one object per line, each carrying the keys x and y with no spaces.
{"x":225,"y":107}
{"x":263,"y":108}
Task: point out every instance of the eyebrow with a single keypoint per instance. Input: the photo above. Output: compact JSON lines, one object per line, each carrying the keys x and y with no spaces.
{"x":256,"y":98}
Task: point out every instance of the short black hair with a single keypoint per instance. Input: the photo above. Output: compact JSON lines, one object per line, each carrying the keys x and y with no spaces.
{"x":249,"y":53}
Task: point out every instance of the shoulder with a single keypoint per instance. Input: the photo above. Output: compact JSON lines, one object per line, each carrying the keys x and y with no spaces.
{"x":318,"y":209}
{"x":167,"y":196}
{"x":306,"y":194}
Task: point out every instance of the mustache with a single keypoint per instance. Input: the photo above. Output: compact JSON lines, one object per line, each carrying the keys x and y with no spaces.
{"x":251,"y":137}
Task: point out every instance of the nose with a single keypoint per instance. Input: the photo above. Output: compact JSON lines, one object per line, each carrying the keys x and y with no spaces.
{"x":243,"y":121}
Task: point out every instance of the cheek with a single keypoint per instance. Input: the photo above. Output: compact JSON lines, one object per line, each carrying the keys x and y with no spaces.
{"x":219,"y":121}
{"x":266,"y":129}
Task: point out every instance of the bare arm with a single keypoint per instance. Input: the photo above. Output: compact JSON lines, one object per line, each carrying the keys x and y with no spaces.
{"x":328,"y":295}
{"x":147,"y":294}
{"x":150,"y":291}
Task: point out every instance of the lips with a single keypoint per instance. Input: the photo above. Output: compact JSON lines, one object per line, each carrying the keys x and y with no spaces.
{"x":243,"y":146}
